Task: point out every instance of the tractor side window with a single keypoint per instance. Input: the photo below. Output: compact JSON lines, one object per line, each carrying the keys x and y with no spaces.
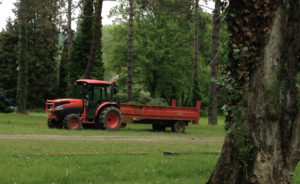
{"x":102,"y":92}
{"x":108,"y":92}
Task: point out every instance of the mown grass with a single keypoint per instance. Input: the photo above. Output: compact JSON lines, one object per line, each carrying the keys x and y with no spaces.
{"x":36,"y":123}
{"x":106,"y":161}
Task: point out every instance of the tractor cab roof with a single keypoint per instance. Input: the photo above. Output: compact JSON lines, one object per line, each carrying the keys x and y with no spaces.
{"x":93,"y":81}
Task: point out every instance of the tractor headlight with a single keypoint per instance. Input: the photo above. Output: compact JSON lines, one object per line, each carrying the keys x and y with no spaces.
{"x":59,"y":108}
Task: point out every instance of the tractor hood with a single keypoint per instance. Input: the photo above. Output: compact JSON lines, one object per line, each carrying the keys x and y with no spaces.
{"x":69,"y":103}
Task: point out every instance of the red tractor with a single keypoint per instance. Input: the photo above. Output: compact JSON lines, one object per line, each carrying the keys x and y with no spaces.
{"x":93,"y":105}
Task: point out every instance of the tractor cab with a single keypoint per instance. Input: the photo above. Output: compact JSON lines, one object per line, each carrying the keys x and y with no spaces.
{"x":93,"y":104}
{"x":94,"y":93}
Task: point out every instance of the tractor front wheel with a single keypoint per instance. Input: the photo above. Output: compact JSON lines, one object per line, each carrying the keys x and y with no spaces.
{"x":51,"y":123}
{"x":72,"y":122}
{"x":110,"y":118}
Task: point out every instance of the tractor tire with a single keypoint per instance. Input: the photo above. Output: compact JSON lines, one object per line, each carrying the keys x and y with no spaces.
{"x":160,"y":128}
{"x":178,"y":126}
{"x":72,"y":122}
{"x":51,"y":123}
{"x":110,"y":118}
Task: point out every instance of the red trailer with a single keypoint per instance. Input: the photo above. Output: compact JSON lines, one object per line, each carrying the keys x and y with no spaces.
{"x":161,"y":117}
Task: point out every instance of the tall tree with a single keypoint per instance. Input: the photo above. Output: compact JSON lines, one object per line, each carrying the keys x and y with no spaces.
{"x":22,"y":57}
{"x":213,"y":108}
{"x":262,"y":144}
{"x":129,"y":59}
{"x":43,"y":51}
{"x":82,"y":44}
{"x":8,"y":58}
{"x":95,"y":41}
{"x":196,"y":38}
{"x":195,"y":85}
{"x":69,"y":28}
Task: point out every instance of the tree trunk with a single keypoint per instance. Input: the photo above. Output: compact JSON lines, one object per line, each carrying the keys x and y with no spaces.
{"x":129,"y":60}
{"x":69,"y":28}
{"x":95,"y":41}
{"x":22,"y":59}
{"x":268,"y":148}
{"x":196,"y":46}
{"x":213,"y":108}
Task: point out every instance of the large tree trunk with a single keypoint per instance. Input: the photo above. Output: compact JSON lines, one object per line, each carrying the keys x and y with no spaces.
{"x":95,"y":41}
{"x":22,"y":58}
{"x":129,"y":60}
{"x":213,"y":108}
{"x":266,"y":149}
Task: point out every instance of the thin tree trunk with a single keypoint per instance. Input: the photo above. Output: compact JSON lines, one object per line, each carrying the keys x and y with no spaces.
{"x":196,"y":46}
{"x":22,"y":59}
{"x":129,"y":59}
{"x":69,"y":28}
{"x":271,"y":141}
{"x":213,"y":109}
{"x":95,"y":41}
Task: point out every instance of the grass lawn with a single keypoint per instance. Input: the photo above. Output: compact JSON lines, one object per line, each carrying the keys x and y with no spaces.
{"x":106,"y":161}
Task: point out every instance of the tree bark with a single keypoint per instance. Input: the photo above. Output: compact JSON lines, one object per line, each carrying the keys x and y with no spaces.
{"x":22,"y":58}
{"x":196,"y":46}
{"x":213,"y":108}
{"x":269,"y":97}
{"x":129,"y":59}
{"x":95,"y":41}
{"x":69,"y":28}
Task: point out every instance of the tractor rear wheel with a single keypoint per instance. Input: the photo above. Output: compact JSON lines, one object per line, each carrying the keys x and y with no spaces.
{"x":110,"y":118}
{"x":72,"y":122}
{"x":178,"y":126}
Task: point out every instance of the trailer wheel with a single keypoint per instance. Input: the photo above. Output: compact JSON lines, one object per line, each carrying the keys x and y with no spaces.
{"x":51,"y":123}
{"x":72,"y":122}
{"x":178,"y":126}
{"x":110,"y":118}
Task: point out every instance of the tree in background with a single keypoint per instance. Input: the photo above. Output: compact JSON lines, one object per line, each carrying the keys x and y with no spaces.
{"x":22,"y":83}
{"x":95,"y":40}
{"x":43,"y":51}
{"x":213,"y":108}
{"x":261,"y":86}
{"x":82,"y":43}
{"x":162,"y":48}
{"x":196,"y":89}
{"x":8,"y":60}
{"x":129,"y":60}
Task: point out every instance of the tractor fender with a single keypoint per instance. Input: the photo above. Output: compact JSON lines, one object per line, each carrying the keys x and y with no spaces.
{"x":103,"y":105}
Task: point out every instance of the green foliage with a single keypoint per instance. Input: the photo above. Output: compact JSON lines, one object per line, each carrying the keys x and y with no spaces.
{"x":82,"y":42}
{"x":162,"y":50}
{"x":39,"y":50}
{"x":63,"y":72}
{"x":43,"y":34}
{"x":8,"y":64}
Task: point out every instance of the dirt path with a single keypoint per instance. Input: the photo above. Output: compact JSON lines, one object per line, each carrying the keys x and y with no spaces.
{"x":109,"y":137}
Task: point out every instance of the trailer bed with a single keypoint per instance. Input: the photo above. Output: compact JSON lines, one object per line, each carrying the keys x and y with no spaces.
{"x":160,"y":117}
